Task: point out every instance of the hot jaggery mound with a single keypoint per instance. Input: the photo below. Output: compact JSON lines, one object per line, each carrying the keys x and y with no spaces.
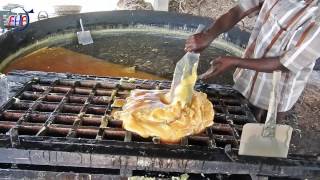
{"x":149,"y":113}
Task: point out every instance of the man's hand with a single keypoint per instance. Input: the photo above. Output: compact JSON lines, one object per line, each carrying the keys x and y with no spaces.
{"x":222,"y":64}
{"x":219,"y":66}
{"x":198,"y":42}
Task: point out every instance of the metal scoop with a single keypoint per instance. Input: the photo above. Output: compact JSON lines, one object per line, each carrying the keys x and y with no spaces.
{"x":84,"y":37}
{"x":183,"y":71}
{"x":269,"y":139}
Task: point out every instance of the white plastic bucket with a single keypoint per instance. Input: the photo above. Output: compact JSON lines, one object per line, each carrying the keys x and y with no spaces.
{"x":159,"y":5}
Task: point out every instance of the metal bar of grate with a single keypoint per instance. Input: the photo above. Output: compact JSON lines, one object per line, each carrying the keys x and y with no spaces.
{"x":106,"y":117}
{"x":53,"y":114}
{"x":78,"y":122}
{"x":14,"y":98}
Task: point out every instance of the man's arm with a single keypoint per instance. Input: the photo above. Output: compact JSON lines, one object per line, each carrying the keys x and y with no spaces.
{"x":294,"y":60}
{"x":228,"y":21}
{"x":267,"y":65}
{"x":199,"y":42}
{"x":222,"y":64}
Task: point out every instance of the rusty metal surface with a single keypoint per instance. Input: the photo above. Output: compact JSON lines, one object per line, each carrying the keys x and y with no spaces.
{"x":13,"y":174}
{"x":65,"y":120}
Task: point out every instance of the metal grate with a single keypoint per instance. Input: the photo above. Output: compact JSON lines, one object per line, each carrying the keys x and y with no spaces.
{"x":83,"y":109}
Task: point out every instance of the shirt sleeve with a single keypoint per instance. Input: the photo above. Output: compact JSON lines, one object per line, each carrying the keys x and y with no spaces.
{"x":247,"y":5}
{"x":306,"y":54}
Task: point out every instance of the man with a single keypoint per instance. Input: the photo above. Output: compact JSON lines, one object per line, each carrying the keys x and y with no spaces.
{"x":285,"y":38}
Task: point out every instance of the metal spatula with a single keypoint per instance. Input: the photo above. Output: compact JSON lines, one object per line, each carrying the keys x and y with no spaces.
{"x":184,"y":68}
{"x":269,"y":139}
{"x":84,"y":37}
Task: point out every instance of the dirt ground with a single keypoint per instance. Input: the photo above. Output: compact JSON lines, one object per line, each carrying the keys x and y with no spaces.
{"x":309,"y":107}
{"x":304,"y":117}
{"x":209,"y":8}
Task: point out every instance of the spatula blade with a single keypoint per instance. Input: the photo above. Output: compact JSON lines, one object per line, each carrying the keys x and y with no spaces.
{"x":252,"y":142}
{"x":84,"y":37}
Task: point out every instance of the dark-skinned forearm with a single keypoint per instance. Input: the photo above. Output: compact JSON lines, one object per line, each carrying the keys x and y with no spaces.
{"x":226,"y":22}
{"x":267,"y":65}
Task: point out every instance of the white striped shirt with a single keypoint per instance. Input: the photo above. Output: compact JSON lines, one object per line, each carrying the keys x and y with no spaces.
{"x":285,"y":29}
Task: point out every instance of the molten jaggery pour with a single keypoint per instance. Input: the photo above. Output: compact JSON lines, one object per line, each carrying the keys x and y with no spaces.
{"x":154,"y":113}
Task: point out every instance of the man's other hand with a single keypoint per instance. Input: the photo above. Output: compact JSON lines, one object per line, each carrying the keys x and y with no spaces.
{"x":219,"y":66}
{"x":198,"y":42}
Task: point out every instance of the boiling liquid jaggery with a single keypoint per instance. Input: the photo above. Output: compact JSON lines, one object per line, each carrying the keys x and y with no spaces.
{"x":58,"y":59}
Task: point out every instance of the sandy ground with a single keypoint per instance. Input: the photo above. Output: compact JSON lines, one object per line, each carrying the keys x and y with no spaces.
{"x":209,"y":8}
{"x":304,"y":118}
